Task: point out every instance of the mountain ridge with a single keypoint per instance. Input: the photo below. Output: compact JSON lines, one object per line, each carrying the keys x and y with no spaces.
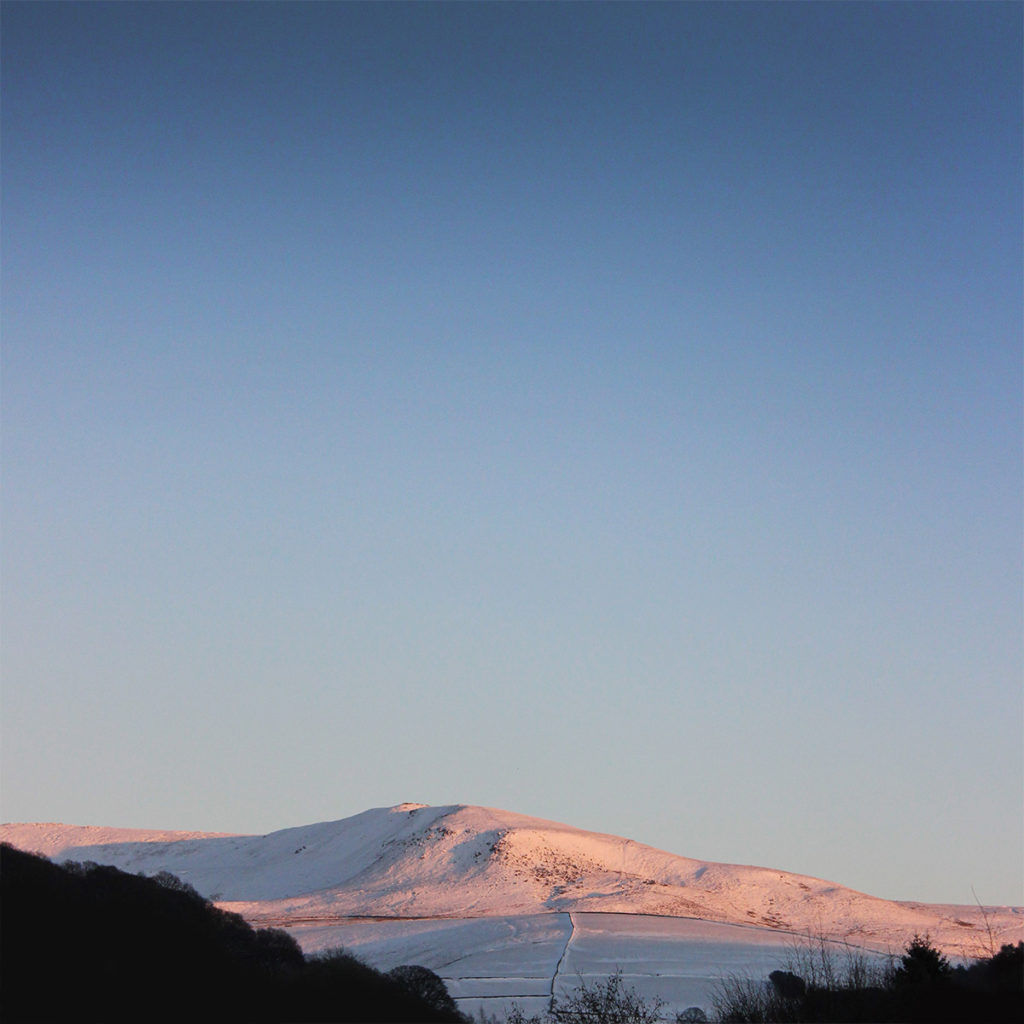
{"x":459,"y":860}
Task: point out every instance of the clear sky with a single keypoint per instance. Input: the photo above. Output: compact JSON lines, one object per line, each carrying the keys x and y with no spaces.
{"x":610,"y":413}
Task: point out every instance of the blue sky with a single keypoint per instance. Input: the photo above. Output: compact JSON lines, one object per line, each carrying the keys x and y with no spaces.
{"x":610,"y":413}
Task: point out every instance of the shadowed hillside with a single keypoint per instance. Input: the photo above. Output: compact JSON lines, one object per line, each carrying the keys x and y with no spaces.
{"x":87,"y":942}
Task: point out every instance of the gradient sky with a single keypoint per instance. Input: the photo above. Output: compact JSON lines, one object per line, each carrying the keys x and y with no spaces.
{"x":610,"y":413}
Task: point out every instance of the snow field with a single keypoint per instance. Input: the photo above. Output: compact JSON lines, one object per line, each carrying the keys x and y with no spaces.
{"x":492,"y":963}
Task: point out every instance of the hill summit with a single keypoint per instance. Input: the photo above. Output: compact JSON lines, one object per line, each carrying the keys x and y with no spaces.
{"x":458,"y":861}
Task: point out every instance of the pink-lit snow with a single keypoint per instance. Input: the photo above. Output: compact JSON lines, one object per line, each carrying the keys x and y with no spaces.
{"x":511,"y":908}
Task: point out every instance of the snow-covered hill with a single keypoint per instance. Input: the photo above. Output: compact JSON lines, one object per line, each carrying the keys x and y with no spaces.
{"x":414,"y":861}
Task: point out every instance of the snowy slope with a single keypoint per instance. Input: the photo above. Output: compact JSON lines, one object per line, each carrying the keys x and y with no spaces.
{"x":413,"y":861}
{"x":491,"y":963}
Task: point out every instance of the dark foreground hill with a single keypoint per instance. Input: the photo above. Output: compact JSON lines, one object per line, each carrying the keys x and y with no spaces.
{"x":88,"y":942}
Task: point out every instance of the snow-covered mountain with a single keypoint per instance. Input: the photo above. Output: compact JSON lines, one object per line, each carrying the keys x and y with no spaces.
{"x":415,"y":861}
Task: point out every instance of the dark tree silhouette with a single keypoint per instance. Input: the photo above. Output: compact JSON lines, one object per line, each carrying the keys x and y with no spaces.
{"x":85,"y":942}
{"x":426,"y":985}
{"x":920,"y":986}
{"x":922,"y":965}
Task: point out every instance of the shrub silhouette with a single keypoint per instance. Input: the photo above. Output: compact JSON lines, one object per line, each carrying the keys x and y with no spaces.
{"x":787,"y":984}
{"x":601,"y":1002}
{"x":692,"y":1015}
{"x":605,"y":1002}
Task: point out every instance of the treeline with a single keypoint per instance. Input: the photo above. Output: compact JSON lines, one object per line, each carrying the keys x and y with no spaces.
{"x":88,"y":942}
{"x":919,"y":986}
